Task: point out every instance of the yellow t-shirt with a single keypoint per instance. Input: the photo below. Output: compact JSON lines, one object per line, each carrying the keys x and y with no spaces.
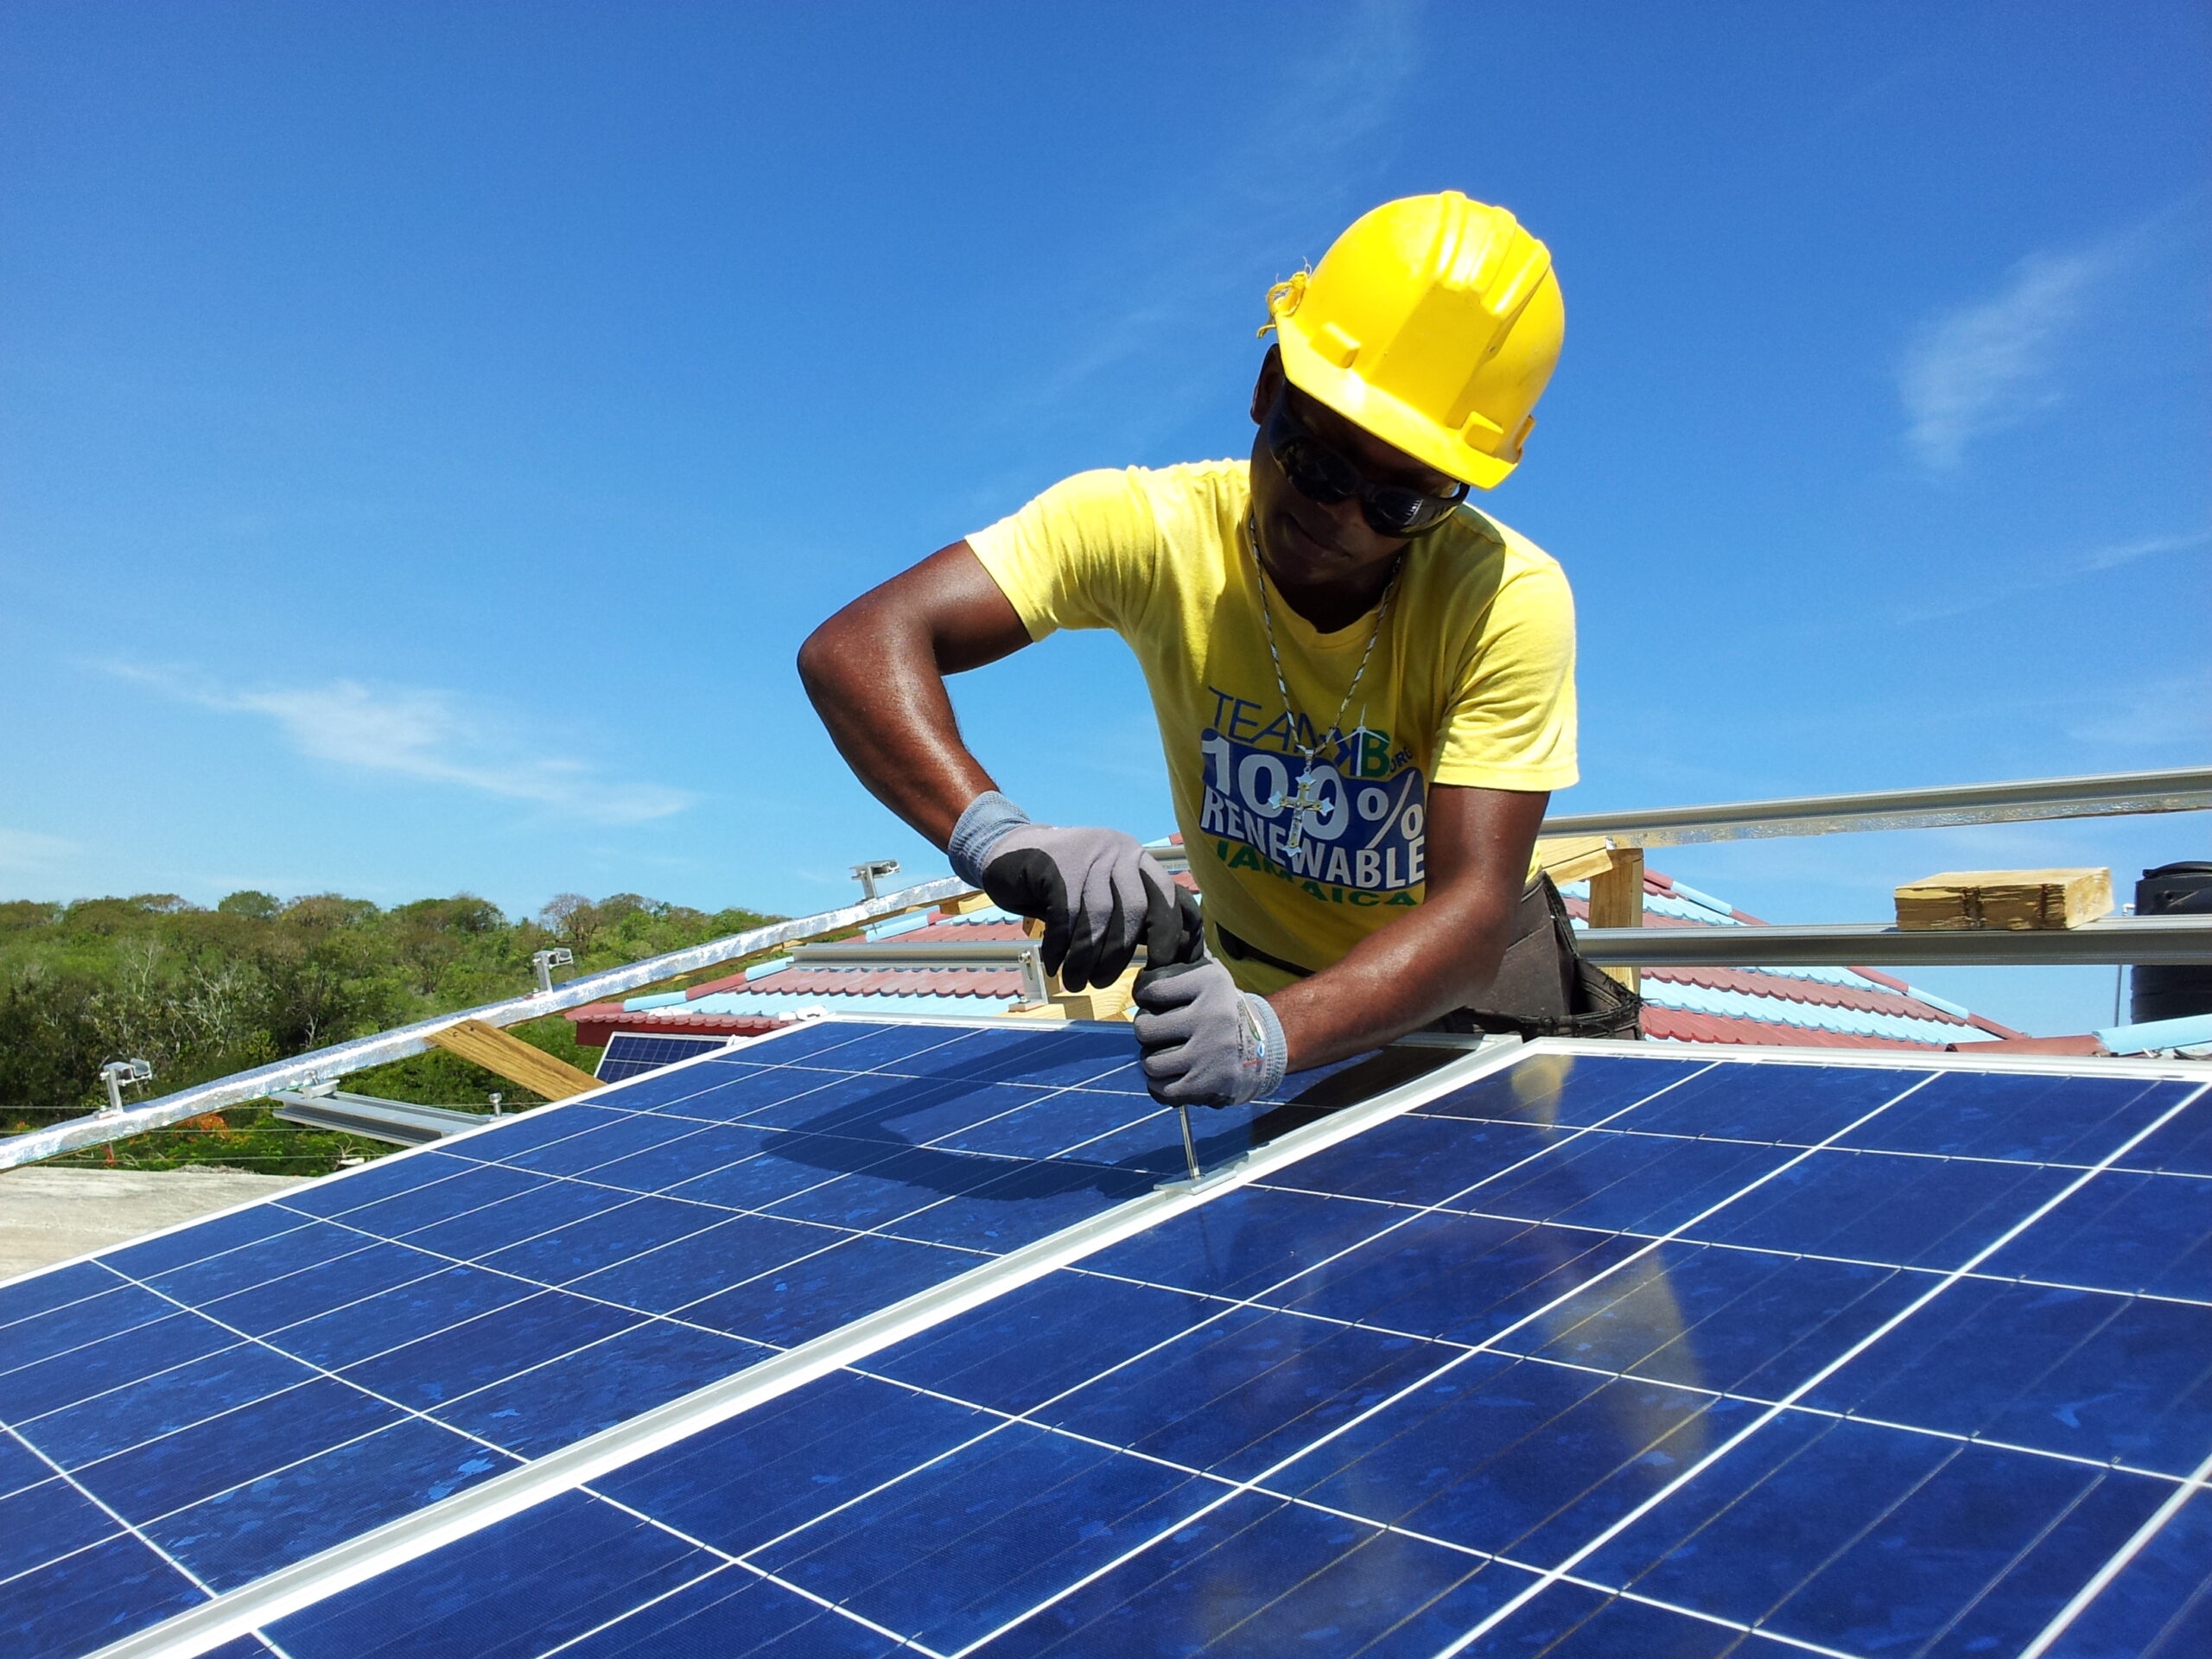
{"x":1472,"y":683}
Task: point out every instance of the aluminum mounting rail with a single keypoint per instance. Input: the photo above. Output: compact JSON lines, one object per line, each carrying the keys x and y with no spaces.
{"x":2184,"y":789}
{"x":325,"y":1065}
{"x":1877,"y":944}
{"x":401,"y":1122}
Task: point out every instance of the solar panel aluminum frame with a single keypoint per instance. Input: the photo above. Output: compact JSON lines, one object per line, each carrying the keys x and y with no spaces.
{"x":1895,"y":1059}
{"x":288,"y":1589}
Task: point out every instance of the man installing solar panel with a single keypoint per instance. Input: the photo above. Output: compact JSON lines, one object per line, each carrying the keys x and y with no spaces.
{"x":1365,"y":685}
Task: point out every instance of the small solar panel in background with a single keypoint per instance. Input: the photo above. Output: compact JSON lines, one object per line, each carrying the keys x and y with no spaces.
{"x":631,"y":1054}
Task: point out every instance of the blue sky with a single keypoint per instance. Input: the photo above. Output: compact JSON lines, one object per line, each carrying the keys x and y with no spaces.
{"x":427,"y":431}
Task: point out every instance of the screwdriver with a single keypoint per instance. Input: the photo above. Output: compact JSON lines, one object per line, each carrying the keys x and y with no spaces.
{"x":1190,"y":1145}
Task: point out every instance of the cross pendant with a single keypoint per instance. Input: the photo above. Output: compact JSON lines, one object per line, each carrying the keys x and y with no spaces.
{"x":1305,"y":810}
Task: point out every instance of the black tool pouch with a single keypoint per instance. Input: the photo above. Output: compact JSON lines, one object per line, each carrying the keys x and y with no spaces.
{"x":1544,"y":988}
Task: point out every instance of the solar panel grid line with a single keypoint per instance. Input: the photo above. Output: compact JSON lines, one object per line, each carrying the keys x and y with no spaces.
{"x":120,"y":1524}
{"x":2199,"y":1480}
{"x":1543,"y":1360}
{"x":383,"y":1161}
{"x":290,"y":1588}
{"x":153,"y":1439}
{"x":1662,"y":1604}
{"x":1456,"y":1205}
{"x":259,"y":1340}
{"x":1628,"y":1374}
{"x":1967,"y":1059}
{"x":1839,"y":1415}
{"x":645,"y":1606}
{"x":244,"y":1340}
{"x":833,"y":1236}
{"x":1753,"y":1249}
{"x":1258,"y":1299}
{"x":1257,"y":1481}
{"x":2063,"y":1284}
{"x":1498,"y":1616}
{"x":1444,"y":1205}
{"x":111,"y":1270}
{"x":1763,"y":1250}
{"x":1802,"y":1645}
{"x":1815,"y":1644}
{"x":1424,"y":1381}
{"x":321,"y":1372}
{"x":1658,"y":1603}
{"x":1576,"y":1132}
{"x":1631,"y":1134}
{"x":1298,"y":1500}
{"x":724,"y":1561}
{"x":857,"y":1499}
{"x":1458,"y":1079}
{"x":1768,"y":1250}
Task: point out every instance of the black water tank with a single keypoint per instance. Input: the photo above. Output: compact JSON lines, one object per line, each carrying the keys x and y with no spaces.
{"x":2169,"y":993}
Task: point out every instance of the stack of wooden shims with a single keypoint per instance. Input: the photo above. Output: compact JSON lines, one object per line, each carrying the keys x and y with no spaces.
{"x":1958,"y":900}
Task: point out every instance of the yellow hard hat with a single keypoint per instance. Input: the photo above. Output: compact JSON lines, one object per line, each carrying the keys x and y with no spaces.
{"x":1434,"y":322}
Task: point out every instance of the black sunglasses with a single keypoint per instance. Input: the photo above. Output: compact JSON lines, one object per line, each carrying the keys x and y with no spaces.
{"x":1320,"y":474}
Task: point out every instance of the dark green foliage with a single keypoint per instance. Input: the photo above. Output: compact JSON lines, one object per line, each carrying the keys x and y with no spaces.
{"x":205,"y":993}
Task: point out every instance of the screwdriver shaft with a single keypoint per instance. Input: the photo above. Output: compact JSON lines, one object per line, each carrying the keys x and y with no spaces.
{"x":1190,"y":1145}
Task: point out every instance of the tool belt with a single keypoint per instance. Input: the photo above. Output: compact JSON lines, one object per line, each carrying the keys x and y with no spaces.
{"x":1543,"y":987}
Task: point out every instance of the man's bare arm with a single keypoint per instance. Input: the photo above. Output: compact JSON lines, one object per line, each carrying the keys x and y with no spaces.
{"x":876,"y":672}
{"x":1440,"y":955}
{"x":876,"y":669}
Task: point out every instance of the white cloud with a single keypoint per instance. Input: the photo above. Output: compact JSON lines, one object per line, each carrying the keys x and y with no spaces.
{"x":2037,"y":575}
{"x":2174,"y":710}
{"x":1215,"y":242}
{"x":2113,"y":555}
{"x":1986,"y":366}
{"x":26,"y":850}
{"x":429,"y":736}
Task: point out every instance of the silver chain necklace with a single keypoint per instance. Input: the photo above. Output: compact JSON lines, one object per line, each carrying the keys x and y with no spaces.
{"x":1305,"y":804}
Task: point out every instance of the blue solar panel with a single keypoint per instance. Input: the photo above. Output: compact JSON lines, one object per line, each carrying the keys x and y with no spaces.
{"x":632,"y":1054}
{"x":1593,"y":1353}
{"x":185,"y":1414}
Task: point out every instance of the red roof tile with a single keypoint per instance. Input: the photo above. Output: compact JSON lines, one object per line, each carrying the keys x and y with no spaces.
{"x":1002,"y":983}
{"x":1788,"y":988}
{"x":961,"y":933}
{"x":2084,"y":1044}
{"x":1682,"y":1025}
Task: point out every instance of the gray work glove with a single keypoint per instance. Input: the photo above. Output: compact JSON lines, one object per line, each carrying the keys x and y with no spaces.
{"x":1098,"y":892}
{"x":1206,"y":1043}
